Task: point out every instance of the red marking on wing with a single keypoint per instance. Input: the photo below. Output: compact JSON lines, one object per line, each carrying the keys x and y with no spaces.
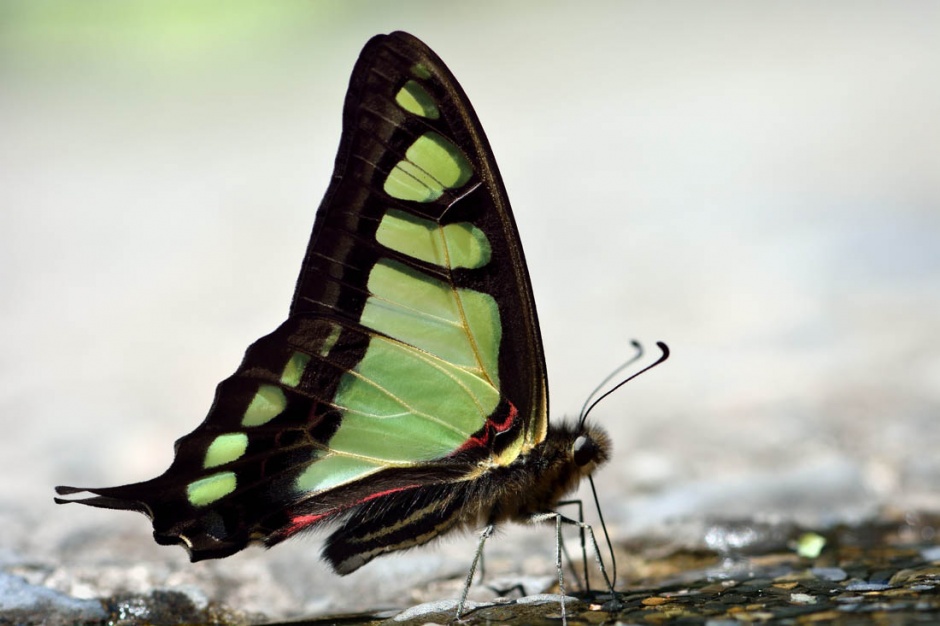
{"x":300,"y":522}
{"x":490,"y":430}
{"x":510,"y":418}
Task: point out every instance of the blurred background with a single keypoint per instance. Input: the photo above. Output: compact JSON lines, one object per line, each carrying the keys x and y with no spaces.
{"x":754,"y":183}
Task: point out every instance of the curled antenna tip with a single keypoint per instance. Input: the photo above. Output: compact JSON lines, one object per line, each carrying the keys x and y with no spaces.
{"x":590,"y":404}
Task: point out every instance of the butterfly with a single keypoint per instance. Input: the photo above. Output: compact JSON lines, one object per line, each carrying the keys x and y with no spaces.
{"x":405,"y":396}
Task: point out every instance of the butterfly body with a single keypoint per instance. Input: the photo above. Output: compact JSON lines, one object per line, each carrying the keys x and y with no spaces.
{"x":406,"y":394}
{"x":532,"y":484}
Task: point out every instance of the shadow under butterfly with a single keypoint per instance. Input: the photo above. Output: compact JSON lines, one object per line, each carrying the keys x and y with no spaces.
{"x":406,"y":394}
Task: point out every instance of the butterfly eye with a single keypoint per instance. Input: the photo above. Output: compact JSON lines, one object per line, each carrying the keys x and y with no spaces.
{"x":584,"y":450}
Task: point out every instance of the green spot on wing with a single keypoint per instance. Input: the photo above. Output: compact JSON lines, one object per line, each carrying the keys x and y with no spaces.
{"x":418,"y":70}
{"x":268,"y":402}
{"x":294,"y":369}
{"x":207,"y":490}
{"x":421,"y":391}
{"x":330,"y":340}
{"x":467,"y":245}
{"x":451,"y":246}
{"x":333,"y":470}
{"x":432,"y":164}
{"x":460,"y":326}
{"x":484,"y":329}
{"x":404,"y":406}
{"x":225,"y":449}
{"x":413,"y":98}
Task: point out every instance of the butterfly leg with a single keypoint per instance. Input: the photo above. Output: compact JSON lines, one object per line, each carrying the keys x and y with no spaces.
{"x":559,"y":520}
{"x":587,"y":528}
{"x":477,"y":560}
{"x":581,"y":532}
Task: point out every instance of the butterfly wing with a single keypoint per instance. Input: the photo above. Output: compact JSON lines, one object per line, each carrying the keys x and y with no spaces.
{"x":411,"y":358}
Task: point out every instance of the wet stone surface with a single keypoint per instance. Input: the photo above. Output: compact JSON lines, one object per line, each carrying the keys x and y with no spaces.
{"x":885,"y":571}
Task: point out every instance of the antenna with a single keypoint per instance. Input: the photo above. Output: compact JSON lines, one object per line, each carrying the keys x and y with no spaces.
{"x":590,"y":404}
{"x":638,"y":354}
{"x":664,"y":349}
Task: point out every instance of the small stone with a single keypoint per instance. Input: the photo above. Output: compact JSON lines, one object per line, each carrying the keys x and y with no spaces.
{"x":833,"y":574}
{"x":802,"y":598}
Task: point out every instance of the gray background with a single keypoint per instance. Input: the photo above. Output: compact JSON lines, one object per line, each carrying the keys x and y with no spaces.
{"x":755,"y":183}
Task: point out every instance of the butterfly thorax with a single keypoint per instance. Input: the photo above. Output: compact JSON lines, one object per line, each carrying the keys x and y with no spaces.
{"x":536,"y":481}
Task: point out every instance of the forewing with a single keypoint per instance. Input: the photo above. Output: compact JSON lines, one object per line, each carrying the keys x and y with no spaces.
{"x":430,"y":204}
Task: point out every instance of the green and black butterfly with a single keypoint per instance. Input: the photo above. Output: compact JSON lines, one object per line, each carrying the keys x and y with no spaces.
{"x":406,"y":394}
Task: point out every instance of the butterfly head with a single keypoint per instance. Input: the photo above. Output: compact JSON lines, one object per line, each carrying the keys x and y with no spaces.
{"x":591,"y":448}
